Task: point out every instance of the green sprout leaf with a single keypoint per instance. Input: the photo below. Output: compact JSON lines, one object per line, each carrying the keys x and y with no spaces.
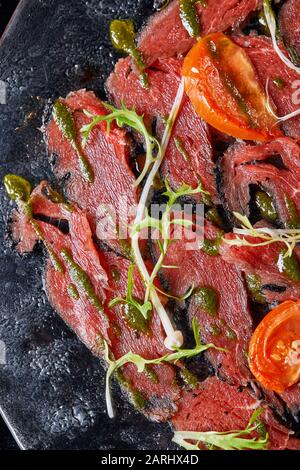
{"x":230,"y":440}
{"x":268,"y":236}
{"x":141,"y":363}
{"x":144,"y":308}
{"x":125,"y":117}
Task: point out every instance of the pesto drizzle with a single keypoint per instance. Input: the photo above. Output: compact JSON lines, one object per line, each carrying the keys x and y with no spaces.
{"x":123,"y":38}
{"x":19,"y":189}
{"x":189,"y":16}
{"x":294,"y":219}
{"x":266,"y":206}
{"x":289,"y":266}
{"x":81,"y":280}
{"x":65,"y":122}
{"x":207,"y":299}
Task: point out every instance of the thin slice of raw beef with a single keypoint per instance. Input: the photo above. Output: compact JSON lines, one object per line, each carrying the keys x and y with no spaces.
{"x":283,"y":82}
{"x":102,"y":275}
{"x":165,"y":36}
{"x":218,"y":406}
{"x":289,"y":23}
{"x":274,"y":166}
{"x":265,"y":262}
{"x":111,"y":199}
{"x":229,"y":325}
{"x":191,"y":164}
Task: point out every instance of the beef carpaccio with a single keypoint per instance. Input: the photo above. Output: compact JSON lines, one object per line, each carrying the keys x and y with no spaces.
{"x":172,"y":237}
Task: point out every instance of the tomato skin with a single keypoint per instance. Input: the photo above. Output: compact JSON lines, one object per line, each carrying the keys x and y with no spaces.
{"x":274,"y":351}
{"x":222,"y":85}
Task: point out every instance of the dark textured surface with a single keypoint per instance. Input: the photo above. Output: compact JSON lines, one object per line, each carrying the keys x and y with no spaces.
{"x":51,"y":388}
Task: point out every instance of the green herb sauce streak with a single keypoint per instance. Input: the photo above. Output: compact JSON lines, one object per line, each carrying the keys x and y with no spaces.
{"x":180,"y":147}
{"x":189,"y":378}
{"x":266,"y":206}
{"x":294,"y":218}
{"x":81,"y":280}
{"x":253,"y":282}
{"x":151,"y":374}
{"x":207,"y":299}
{"x":137,"y":398}
{"x":73,"y":292}
{"x":134,"y":318}
{"x":65,"y":122}
{"x":123,"y":38}
{"x":279,"y":82}
{"x":290,"y":266}
{"x":189,"y":16}
{"x":19,"y":189}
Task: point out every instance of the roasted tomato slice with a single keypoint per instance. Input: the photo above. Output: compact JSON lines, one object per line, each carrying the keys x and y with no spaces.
{"x":274,"y":353}
{"x":221,"y":83}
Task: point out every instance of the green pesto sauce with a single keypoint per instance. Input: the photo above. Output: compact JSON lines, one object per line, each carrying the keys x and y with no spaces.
{"x":211,"y":247}
{"x":115,"y":274}
{"x":137,"y":398}
{"x":214,"y":217}
{"x":189,"y":16}
{"x":266,"y":206}
{"x":65,"y":122}
{"x":207,"y":299}
{"x":57,"y":198}
{"x":123,"y":38}
{"x":52,"y":255}
{"x":73,"y":292}
{"x":189,"y":378}
{"x":134,"y":318}
{"x":215,"y":330}
{"x":289,"y":266}
{"x":279,"y":82}
{"x":81,"y":280}
{"x":180,"y":147}
{"x":230,"y":334}
{"x":253,"y":282}
{"x":151,"y":374}
{"x":294,"y":219}
{"x":292,"y":53}
{"x":17,"y":188}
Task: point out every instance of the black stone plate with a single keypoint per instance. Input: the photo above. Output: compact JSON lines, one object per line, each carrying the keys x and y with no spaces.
{"x":51,"y":387}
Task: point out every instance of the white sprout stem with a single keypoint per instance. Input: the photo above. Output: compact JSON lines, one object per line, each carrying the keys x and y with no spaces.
{"x":173,"y":338}
{"x":271,"y":22}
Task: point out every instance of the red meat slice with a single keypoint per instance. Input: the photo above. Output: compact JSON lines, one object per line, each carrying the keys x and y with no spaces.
{"x":289,"y":22}
{"x":243,"y":165}
{"x":218,"y":406}
{"x":263,"y":261}
{"x":165,"y":36}
{"x":108,"y":274}
{"x":231,"y":328}
{"x":270,"y":67}
{"x":155,"y":105}
{"x":108,"y":155}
